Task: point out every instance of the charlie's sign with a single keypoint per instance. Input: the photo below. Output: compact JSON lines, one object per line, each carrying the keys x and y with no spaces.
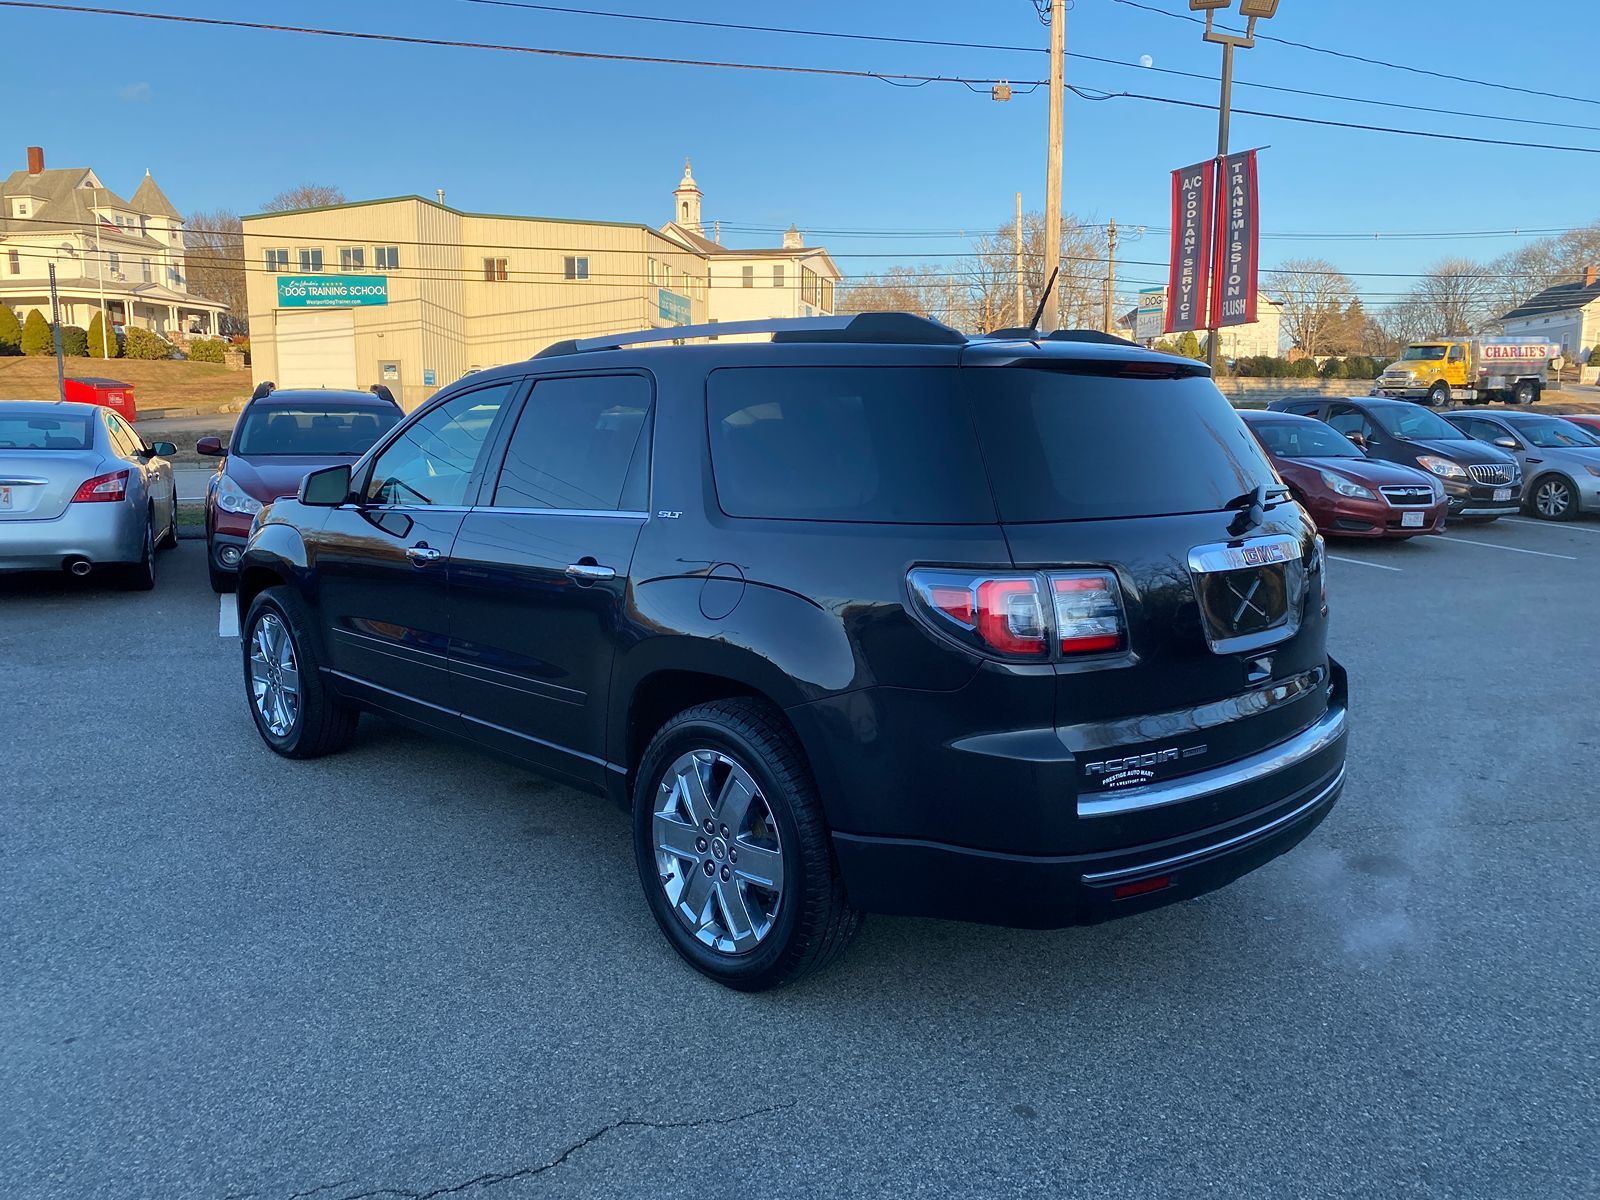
{"x":332,"y":291}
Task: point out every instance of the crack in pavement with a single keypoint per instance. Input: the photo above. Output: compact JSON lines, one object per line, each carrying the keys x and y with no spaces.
{"x":491,"y":1178}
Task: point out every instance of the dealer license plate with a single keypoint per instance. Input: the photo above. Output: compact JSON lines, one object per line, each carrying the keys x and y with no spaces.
{"x":1502,"y":494}
{"x":1411,"y":520}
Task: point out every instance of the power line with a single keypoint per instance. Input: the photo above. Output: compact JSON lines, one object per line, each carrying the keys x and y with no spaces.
{"x":898,"y":79}
{"x":1083,"y":93}
{"x":842,"y":35}
{"x":299,"y":237}
{"x":1374,"y":62}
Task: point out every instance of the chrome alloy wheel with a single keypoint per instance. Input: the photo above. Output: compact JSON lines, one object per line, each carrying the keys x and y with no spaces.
{"x":718,"y":854}
{"x":274,"y":675}
{"x":1552,"y":499}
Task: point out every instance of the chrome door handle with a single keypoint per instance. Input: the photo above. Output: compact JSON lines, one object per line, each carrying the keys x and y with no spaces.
{"x":589,"y":572}
{"x":423,"y":554}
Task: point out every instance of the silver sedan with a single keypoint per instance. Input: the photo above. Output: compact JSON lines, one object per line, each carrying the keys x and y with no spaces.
{"x":1560,"y":460}
{"x":81,"y":491}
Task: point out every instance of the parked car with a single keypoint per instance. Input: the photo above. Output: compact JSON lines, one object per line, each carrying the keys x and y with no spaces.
{"x":1481,"y":482}
{"x":1587,"y":420}
{"x":280,"y":437}
{"x":1347,"y":493}
{"x":872,"y":617}
{"x":1560,"y":460}
{"x":81,"y":491}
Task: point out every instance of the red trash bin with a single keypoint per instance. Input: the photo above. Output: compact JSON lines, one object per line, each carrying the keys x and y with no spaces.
{"x":109,"y":393}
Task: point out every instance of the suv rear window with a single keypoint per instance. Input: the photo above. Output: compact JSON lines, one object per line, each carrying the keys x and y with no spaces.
{"x":889,"y":445}
{"x":303,"y":429}
{"x":1064,"y":446}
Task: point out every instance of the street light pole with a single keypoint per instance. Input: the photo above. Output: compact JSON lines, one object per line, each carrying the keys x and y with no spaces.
{"x":1052,"y":179}
{"x":1253,"y":10}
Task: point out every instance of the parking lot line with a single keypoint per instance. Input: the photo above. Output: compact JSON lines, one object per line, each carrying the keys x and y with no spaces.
{"x":227,"y":617}
{"x":1361,"y":562}
{"x":1513,"y":549}
{"x":1564,"y":527}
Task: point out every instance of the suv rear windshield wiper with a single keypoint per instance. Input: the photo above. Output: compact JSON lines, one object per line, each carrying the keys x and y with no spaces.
{"x":1253,"y":506}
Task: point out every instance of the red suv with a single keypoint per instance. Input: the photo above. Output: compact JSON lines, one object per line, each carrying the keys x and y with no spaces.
{"x":282,"y":436}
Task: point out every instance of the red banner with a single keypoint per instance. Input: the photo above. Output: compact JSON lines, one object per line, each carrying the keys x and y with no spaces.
{"x":1193,"y":217}
{"x":1238,"y":247}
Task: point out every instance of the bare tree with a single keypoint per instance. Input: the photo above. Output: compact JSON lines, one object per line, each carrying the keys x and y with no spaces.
{"x":1457,"y":295}
{"x":214,"y":253}
{"x":1315,"y":296}
{"x":305,"y":195}
{"x":1545,"y":263}
{"x":978,"y":292}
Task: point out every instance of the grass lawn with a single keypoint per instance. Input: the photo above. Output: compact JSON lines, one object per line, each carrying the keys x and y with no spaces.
{"x":191,"y":386}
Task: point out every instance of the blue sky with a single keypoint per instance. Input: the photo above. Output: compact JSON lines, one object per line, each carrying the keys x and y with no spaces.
{"x":226,"y":118}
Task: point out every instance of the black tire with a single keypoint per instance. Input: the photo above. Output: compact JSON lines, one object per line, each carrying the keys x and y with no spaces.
{"x":1526,"y":392}
{"x":813,"y":920}
{"x":1439,"y":395}
{"x":170,"y":540}
{"x":222,"y":582}
{"x":1559,"y":487}
{"x":141,"y":577}
{"x":324,"y":723}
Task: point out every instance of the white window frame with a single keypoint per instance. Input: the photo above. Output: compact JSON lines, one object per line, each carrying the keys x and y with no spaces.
{"x":575,"y":268}
{"x":386,"y":258}
{"x":277,"y":260}
{"x":308,"y":255}
{"x":749,"y":276}
{"x":494,"y":270}
{"x":352,"y":258}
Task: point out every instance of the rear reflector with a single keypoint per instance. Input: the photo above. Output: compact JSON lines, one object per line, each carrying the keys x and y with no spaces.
{"x":103,"y":488}
{"x":1143,"y":887}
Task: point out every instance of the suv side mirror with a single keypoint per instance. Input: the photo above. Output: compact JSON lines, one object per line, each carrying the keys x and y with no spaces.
{"x":1507,"y":443}
{"x":211,"y":447}
{"x":1356,"y":439}
{"x":327,"y":488}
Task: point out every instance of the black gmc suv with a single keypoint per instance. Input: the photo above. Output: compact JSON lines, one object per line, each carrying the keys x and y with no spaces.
{"x":870,"y":617}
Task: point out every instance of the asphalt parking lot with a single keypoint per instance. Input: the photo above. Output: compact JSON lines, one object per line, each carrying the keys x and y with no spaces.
{"x":412,"y":971}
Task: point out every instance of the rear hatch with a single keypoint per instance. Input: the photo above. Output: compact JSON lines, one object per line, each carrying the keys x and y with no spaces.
{"x":1107,"y":458}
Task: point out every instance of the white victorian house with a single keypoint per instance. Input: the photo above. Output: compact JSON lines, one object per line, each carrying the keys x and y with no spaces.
{"x":125,"y":255}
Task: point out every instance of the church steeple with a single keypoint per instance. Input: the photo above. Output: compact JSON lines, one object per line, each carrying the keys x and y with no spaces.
{"x":686,"y":201}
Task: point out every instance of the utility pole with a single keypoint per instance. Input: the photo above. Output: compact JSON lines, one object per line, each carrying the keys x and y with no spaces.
{"x":1111,"y":277}
{"x":1022,"y":300}
{"x":100,"y":273}
{"x":1224,"y":113}
{"x":1052,"y":180}
{"x":55,"y":332}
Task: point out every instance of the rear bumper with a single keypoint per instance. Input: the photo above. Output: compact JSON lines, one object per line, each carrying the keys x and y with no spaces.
{"x":1292,"y":785}
{"x":101,"y":533}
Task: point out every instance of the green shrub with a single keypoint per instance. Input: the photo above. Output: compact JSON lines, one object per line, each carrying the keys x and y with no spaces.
{"x":111,"y":346}
{"x":36,"y":338}
{"x":143,"y":344}
{"x":74,"y":341}
{"x":206,"y":350}
{"x":10,"y":333}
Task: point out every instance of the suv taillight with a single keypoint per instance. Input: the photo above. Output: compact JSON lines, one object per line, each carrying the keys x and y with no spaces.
{"x":110,"y":487}
{"x":1007,"y":614}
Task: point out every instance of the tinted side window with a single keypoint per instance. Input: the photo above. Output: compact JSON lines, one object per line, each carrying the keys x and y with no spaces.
{"x":1350,"y":420}
{"x":124,"y":439}
{"x":574,"y":442}
{"x":432,"y":459}
{"x":871,"y":444}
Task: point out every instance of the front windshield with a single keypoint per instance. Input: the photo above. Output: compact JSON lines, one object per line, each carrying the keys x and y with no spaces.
{"x":312,"y":430}
{"x":1422,"y":353}
{"x":1303,"y":439}
{"x":1551,"y":434}
{"x":1409,"y":421}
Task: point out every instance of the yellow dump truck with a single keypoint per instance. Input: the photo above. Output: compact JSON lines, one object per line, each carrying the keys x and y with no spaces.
{"x":1474,"y":370}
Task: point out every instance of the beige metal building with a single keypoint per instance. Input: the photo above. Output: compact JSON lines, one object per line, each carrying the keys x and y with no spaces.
{"x":414,"y":294}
